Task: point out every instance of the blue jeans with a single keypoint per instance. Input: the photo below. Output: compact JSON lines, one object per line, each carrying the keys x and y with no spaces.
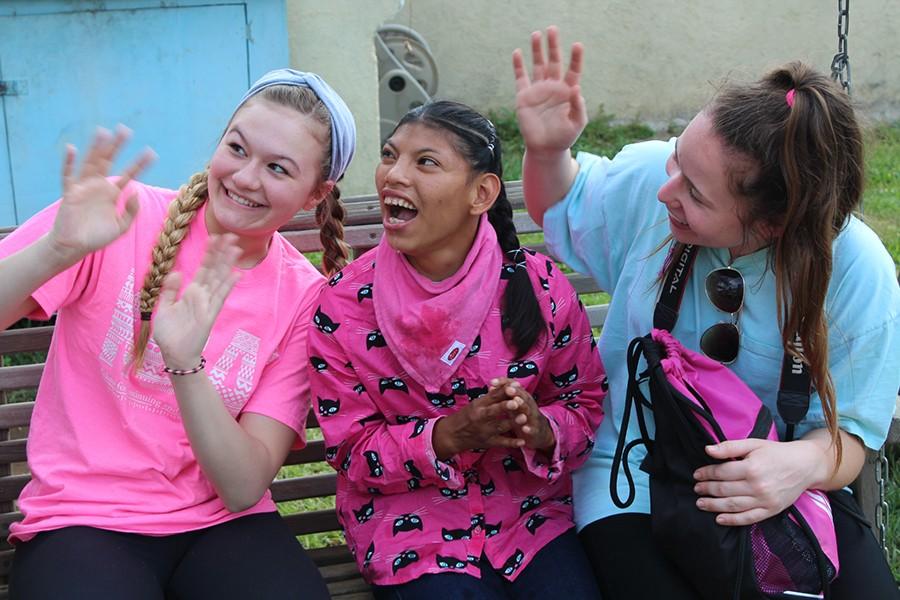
{"x":559,"y":570}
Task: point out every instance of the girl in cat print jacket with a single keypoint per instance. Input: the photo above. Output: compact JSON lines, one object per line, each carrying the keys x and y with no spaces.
{"x":397,"y":355}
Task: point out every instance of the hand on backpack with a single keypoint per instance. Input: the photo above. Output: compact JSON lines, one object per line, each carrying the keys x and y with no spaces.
{"x":762,"y":478}
{"x":529,"y":423}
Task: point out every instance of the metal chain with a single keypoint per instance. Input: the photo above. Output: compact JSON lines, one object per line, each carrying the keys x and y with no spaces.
{"x":881,"y":511}
{"x":840,"y":64}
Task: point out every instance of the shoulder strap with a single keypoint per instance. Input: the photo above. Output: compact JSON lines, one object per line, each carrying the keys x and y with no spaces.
{"x":666,"y":313}
{"x":794,"y":390}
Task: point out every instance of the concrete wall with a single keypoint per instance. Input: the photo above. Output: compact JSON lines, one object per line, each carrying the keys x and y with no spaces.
{"x":334,"y":39}
{"x":658,"y":60}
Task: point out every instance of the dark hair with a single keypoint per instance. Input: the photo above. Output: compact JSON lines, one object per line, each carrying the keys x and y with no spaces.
{"x":800,"y":172}
{"x":476,"y":140}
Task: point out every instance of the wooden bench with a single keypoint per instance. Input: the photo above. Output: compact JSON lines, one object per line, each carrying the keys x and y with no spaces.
{"x":363,"y":231}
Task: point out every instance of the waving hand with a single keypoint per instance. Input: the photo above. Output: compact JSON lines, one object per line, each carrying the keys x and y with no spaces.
{"x":182,"y":324}
{"x":89,"y":217}
{"x":549,"y":105}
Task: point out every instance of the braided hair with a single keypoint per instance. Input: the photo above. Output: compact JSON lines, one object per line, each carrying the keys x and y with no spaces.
{"x":475,"y":138}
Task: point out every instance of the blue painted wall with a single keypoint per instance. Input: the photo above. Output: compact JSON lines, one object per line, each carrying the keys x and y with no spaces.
{"x":172,"y":71}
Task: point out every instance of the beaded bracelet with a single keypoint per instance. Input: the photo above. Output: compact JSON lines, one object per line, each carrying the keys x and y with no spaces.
{"x":196,"y":369}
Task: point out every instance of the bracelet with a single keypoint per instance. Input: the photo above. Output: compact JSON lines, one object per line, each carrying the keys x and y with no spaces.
{"x":196,"y":369}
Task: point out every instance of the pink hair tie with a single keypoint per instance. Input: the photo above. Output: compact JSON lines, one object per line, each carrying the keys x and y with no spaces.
{"x":789,"y":97}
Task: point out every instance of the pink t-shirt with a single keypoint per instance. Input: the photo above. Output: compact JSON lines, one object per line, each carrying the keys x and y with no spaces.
{"x":107,"y":447}
{"x":405,"y":513}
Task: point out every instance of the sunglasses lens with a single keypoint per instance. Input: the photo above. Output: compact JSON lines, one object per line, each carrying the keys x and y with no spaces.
{"x":720,"y":342}
{"x":725,"y":288}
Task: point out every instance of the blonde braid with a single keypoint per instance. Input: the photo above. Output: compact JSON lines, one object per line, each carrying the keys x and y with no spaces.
{"x":182,"y":211}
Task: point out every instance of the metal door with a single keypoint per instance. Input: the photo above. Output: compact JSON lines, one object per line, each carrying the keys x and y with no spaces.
{"x":170,"y":72}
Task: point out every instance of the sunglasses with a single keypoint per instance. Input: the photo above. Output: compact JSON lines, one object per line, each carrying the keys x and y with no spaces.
{"x":725,"y":290}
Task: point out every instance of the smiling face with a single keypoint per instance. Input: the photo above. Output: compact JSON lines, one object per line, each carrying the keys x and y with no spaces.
{"x":266,"y":168}
{"x":703,"y":209}
{"x":430,"y":198}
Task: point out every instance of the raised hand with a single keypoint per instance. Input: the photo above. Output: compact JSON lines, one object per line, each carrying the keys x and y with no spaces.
{"x":528,"y":422}
{"x":89,"y":217}
{"x":549,"y":106}
{"x":182,"y":324}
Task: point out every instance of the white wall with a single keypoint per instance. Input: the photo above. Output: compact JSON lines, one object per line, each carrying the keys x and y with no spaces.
{"x":656,"y":61}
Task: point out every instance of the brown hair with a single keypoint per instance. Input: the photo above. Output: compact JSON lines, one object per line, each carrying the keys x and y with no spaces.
{"x":183,"y":209}
{"x":803,"y":180}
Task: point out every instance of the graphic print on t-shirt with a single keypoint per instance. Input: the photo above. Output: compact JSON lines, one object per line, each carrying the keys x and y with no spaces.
{"x":232,"y":374}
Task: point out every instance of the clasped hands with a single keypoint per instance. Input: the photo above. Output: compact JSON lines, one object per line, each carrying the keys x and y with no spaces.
{"x":506,"y":417}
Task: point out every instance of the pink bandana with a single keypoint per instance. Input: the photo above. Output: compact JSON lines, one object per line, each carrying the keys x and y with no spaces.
{"x":429,"y":325}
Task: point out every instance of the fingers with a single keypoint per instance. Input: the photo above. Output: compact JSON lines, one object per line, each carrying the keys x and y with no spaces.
{"x":130,"y":212}
{"x":554,"y":64}
{"x":168,"y":292}
{"x":734,"y":448}
{"x":573,"y":74}
{"x":68,"y":163}
{"x":216,"y":275}
{"x":537,"y":56}
{"x":748,"y":517}
{"x":577,"y":110}
{"x":521,"y":75}
{"x":552,"y":68}
{"x":505,"y":442}
{"x":134,"y":169}
{"x":729,"y":504}
{"x":102,"y":138}
{"x":728,"y":471}
{"x":724,"y":489}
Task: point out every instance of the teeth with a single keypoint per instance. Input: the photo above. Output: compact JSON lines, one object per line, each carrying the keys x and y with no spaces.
{"x":394,"y":201}
{"x":242,"y":201}
{"x":677,"y":220}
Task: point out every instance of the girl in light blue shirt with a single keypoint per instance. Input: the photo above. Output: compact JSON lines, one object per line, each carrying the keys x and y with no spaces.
{"x":764,"y":180}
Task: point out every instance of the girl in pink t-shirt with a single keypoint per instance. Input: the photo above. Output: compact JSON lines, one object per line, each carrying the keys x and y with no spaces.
{"x":456,"y":381}
{"x":175,"y":384}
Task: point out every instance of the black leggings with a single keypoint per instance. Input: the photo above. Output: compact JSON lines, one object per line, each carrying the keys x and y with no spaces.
{"x":628,"y":565}
{"x":251,"y":557}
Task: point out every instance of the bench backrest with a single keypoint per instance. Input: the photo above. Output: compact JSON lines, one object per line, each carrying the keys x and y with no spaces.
{"x":362,"y":231}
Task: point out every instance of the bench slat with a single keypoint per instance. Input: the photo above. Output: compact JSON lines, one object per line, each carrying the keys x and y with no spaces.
{"x":25,"y":340}
{"x":20,"y":377}
{"x":313,"y":521}
{"x":12,"y":451}
{"x":15,"y":415}
{"x":308,"y":486}
{"x":11,"y":486}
